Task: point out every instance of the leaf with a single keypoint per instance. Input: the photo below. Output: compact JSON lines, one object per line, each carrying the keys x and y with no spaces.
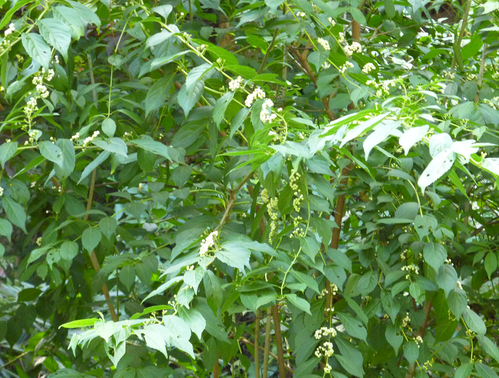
{"x":367,"y":125}
{"x":457,"y":301}
{"x":238,"y":120}
{"x":393,"y":338}
{"x":234,"y":255}
{"x":5,"y":228}
{"x":86,"y":14}
{"x":435,"y":255}
{"x":108,"y":226}
{"x":15,"y":212}
{"x":310,"y":247}
{"x":474,"y":321}
{"x":353,"y":326}
{"x":91,"y":238}
{"x":489,"y":347}
{"x":71,"y":18}
{"x":79,"y":323}
{"x":163,"y":10}
{"x":440,"y":164}
{"x":351,"y":359}
{"x":473,"y":47}
{"x":412,"y":135}
{"x":221,"y":106}
{"x":195,"y":75}
{"x":298,"y":302}
{"x":447,"y":278}
{"x":51,"y":152}
{"x":367,"y":283}
{"x":464,"y":371}
{"x":148,"y":144}
{"x":490,"y":263}
{"x":194,"y":319}
{"x":411,"y":352}
{"x":439,"y":143}
{"x":389,"y":8}
{"x":484,"y":371}
{"x":68,"y":158}
{"x":114,"y":145}
{"x":307,"y":280}
{"x":94,"y":164}
{"x":491,"y":164}
{"x":155,"y":336}
{"x":37,"y":49}
{"x":187,"y":100}
{"x":158,"y":38}
{"x":56,"y":33}
{"x":109,"y":127}
{"x":68,"y":250}
{"x":158,"y":93}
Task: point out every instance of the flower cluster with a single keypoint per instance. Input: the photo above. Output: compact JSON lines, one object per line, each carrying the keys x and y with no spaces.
{"x":470,"y":76}
{"x":324,"y":44}
{"x":266,"y":114}
{"x":346,"y":66}
{"x":449,"y":74}
{"x":418,"y":340}
{"x":202,"y":48}
{"x":236,"y":84}
{"x":368,"y":68}
{"x":406,"y":320}
{"x":1,"y":191}
{"x":252,"y":97}
{"x":324,"y":332}
{"x":41,"y":92}
{"x":89,"y":139}
{"x":207,"y":243}
{"x":326,"y":350}
{"x":10,"y":30}
{"x":341,"y":37}
{"x":331,"y":21}
{"x":354,"y":47}
{"x":410,"y":268}
{"x":301,"y":14}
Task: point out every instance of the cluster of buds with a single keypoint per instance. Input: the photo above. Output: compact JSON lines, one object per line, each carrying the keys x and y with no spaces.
{"x":325,"y":332}
{"x":252,"y":97}
{"x":202,"y":48}
{"x":89,"y":139}
{"x":325,"y":349}
{"x":419,"y":340}
{"x":322,"y":294}
{"x":301,"y":14}
{"x":41,"y":92}
{"x":10,"y":30}
{"x":266,"y":114}
{"x":187,"y":36}
{"x":410,"y":268}
{"x":368,"y":68}
{"x":1,"y":191}
{"x":207,"y":243}
{"x":235,"y":84}
{"x":470,"y":76}
{"x":428,"y":364}
{"x":189,"y":268}
{"x":345,"y":67}
{"x":75,"y":137}
{"x":324,"y":44}
{"x":331,"y":21}
{"x":272,"y":211}
{"x":354,"y":47}
{"x":127,"y":135}
{"x":406,"y":320}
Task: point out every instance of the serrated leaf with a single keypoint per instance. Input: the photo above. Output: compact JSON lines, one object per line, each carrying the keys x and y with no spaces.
{"x":440,"y":164}
{"x":435,"y":255}
{"x":86,"y":14}
{"x":91,"y":238}
{"x":37,"y":49}
{"x":194,"y":319}
{"x":367,"y":283}
{"x":15,"y":212}
{"x":439,"y":143}
{"x":412,"y":136}
{"x":71,"y":18}
{"x":234,"y":255}
{"x":68,"y":250}
{"x":353,"y":326}
{"x":56,"y":33}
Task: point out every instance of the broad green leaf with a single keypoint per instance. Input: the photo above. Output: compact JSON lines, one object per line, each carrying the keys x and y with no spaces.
{"x":351,"y":359}
{"x":94,"y":164}
{"x":379,"y":134}
{"x":109,"y":127}
{"x":68,"y":250}
{"x":114,"y":145}
{"x":310,"y":247}
{"x":464,"y":371}
{"x":447,"y":278}
{"x":63,"y":170}
{"x":367,"y":283}
{"x":440,"y":164}
{"x":491,"y":164}
{"x":439,"y":143}
{"x":394,"y":339}
{"x":412,"y":135}
{"x":187,"y":99}
{"x":79,"y":323}
{"x":389,"y":8}
{"x":51,"y":152}
{"x":108,"y":226}
{"x":163,"y":10}
{"x":435,"y":255}
{"x":56,"y":33}
{"x":489,"y":347}
{"x":353,"y":326}
{"x":194,"y":319}
{"x":15,"y":212}
{"x":71,"y":18}
{"x":234,"y":255}
{"x":490,"y":263}
{"x":298,"y":302}
{"x":474,"y":321}
{"x":473,"y":47}
{"x":158,"y":93}
{"x":86,"y":14}
{"x":457,"y":301}
{"x":221,"y":106}
{"x":5,"y":228}
{"x":37,"y":49}
{"x":157,"y":148}
{"x":91,"y":238}
{"x":307,"y":280}
{"x":364,"y":126}
{"x":411,"y":352}
{"x":195,"y":75}
{"x":484,"y":371}
{"x":158,"y":38}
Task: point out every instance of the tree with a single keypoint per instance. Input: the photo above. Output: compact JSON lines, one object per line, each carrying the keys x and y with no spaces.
{"x":207,"y":188}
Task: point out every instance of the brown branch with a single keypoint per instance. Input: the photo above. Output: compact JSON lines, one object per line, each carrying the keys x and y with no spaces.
{"x":257,"y":342}
{"x":246,"y":341}
{"x":278,"y":340}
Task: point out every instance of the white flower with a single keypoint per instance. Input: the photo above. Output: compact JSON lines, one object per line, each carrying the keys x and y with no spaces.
{"x":266,"y":114}
{"x":10,"y":30}
{"x":331,"y":21}
{"x":341,"y":37}
{"x":326,"y":65}
{"x":207,"y":243}
{"x":324,"y":44}
{"x":344,"y":67}
{"x":89,"y":139}
{"x":1,"y":191}
{"x":236,"y":84}
{"x":301,"y":14}
{"x":368,"y":68}
{"x":354,"y":47}
{"x":257,"y":93}
{"x":327,"y":369}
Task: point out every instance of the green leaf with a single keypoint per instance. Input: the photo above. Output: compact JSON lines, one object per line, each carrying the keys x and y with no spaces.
{"x":234,"y":255}
{"x":108,"y":226}
{"x":109,"y":127}
{"x":389,"y":8}
{"x":474,"y":321}
{"x":194,"y":319}
{"x":63,"y":170}
{"x":464,"y":371}
{"x":310,"y":247}
{"x":86,"y":14}
{"x":473,"y":47}
{"x":195,"y":75}
{"x":37,"y":49}
{"x":158,"y":93}
{"x":457,"y":301}
{"x":71,"y":18}
{"x":367,"y":283}
{"x":15,"y":212}
{"x":51,"y":152}
{"x":5,"y":228}
{"x":91,"y":238}
{"x":490,"y":263}
{"x":351,"y":359}
{"x":298,"y":302}
{"x":447,"y":278}
{"x":393,"y":338}
{"x":94,"y":164}
{"x":158,"y":38}
{"x":411,"y":352}
{"x":7,"y":150}
{"x":56,"y":33}
{"x":68,"y":250}
{"x":412,"y":135}
{"x":489,"y":347}
{"x":114,"y":145}
{"x":127,"y":276}
{"x":221,"y":106}
{"x":357,"y":15}
{"x":79,"y":323}
{"x":307,"y":280}
{"x":157,"y":148}
{"x":353,"y":326}
{"x":435,"y":255}
{"x":484,"y":371}
{"x":187,"y":100}
{"x":437,"y":167}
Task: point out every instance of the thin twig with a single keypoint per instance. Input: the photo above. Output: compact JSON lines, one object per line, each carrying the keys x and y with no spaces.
{"x":266,"y":350}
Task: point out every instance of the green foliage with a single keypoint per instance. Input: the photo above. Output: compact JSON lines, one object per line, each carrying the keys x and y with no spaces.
{"x":182,"y":182}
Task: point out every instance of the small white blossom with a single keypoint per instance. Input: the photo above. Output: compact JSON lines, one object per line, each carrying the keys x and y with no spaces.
{"x":324,"y":44}
{"x":326,"y":65}
{"x":344,"y":67}
{"x":301,"y":14}
{"x":257,"y":93}
{"x":207,"y":243}
{"x":331,"y":21}
{"x":266,"y":114}
{"x":354,"y":47}
{"x":10,"y":30}
{"x":1,"y":191}
{"x":341,"y":37}
{"x":236,"y":84}
{"x":368,"y":68}
{"x":89,"y":139}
